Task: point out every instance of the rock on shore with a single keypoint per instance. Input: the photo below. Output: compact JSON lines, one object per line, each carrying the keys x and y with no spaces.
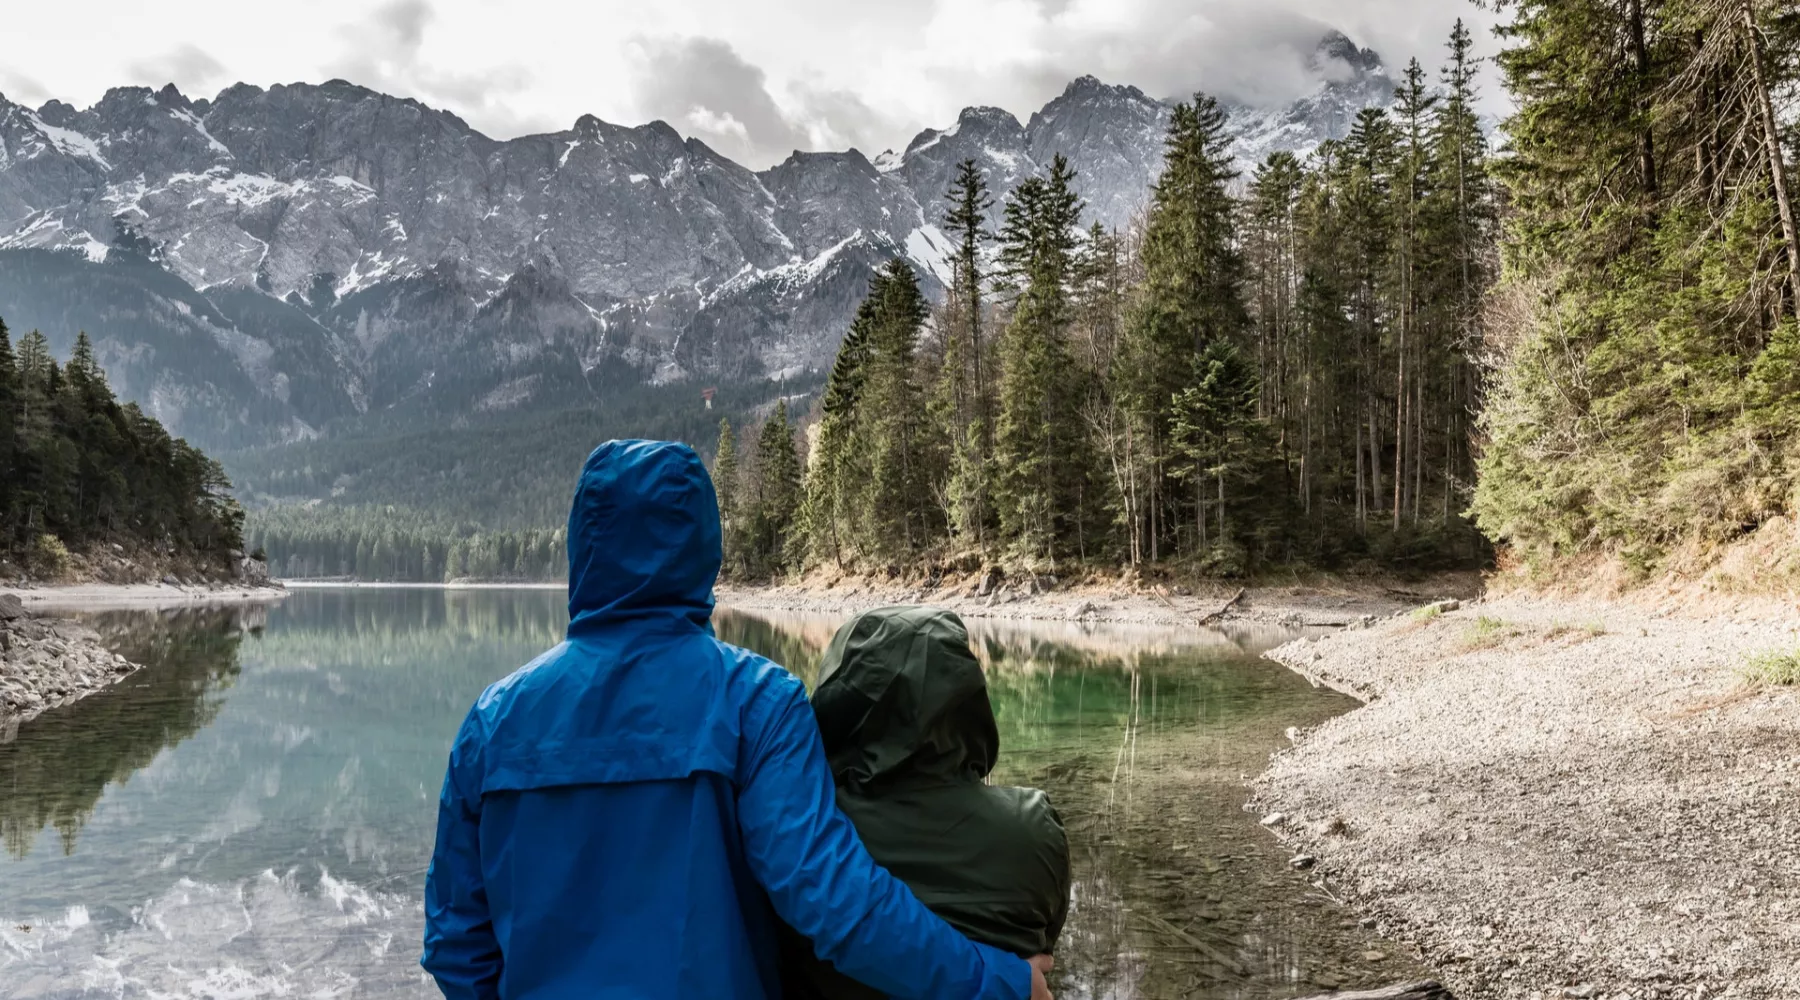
{"x":47,"y":662}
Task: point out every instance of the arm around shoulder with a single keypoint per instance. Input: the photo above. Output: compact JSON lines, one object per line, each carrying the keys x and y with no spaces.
{"x":823,"y":882}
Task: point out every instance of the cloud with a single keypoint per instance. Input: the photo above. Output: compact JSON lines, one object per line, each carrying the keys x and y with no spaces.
{"x":22,"y":89}
{"x":705,"y":88}
{"x":386,"y":51}
{"x":1242,"y":51}
{"x":187,"y":66}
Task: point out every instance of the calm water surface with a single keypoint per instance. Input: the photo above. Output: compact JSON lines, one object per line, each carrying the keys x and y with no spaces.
{"x":252,"y":815}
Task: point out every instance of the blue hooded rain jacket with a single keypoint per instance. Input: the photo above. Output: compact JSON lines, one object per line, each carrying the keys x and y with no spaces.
{"x":626,"y":815}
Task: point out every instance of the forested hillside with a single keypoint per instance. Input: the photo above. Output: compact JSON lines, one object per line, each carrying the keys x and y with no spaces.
{"x":1395,"y":352}
{"x":1650,"y":384}
{"x":79,"y":471}
{"x":424,"y":504}
{"x":1268,"y":371}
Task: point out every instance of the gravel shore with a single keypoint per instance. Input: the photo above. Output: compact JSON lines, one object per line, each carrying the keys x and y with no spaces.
{"x":1551,"y":799}
{"x":140,"y":596}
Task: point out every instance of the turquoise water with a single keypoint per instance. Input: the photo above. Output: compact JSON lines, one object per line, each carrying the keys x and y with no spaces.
{"x":251,"y":816}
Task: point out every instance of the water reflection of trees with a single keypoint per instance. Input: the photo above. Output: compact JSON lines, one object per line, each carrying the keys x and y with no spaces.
{"x":424,"y":618}
{"x":58,"y":766}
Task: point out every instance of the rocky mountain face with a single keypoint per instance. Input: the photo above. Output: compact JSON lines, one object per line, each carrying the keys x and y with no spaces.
{"x":255,"y":266}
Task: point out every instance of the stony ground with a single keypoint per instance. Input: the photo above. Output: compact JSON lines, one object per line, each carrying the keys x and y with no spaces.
{"x":46,"y":662}
{"x":1550,"y":799}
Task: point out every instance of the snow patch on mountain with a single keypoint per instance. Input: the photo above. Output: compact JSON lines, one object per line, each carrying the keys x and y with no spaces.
{"x":69,"y":142}
{"x":928,"y":247}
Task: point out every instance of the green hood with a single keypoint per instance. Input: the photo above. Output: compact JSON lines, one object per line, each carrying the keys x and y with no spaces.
{"x":902,"y":701}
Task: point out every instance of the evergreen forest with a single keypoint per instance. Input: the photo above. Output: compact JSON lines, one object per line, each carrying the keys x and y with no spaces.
{"x":78,"y":470}
{"x":1273,"y":370}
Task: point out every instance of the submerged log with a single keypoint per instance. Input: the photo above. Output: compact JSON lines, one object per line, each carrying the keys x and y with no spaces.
{"x":1426,"y":990}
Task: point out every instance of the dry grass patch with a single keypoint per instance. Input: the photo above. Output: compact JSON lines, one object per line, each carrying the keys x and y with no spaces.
{"x":1419,"y":619}
{"x":1772,"y":670}
{"x":1582,"y":632}
{"x":1486,"y":633}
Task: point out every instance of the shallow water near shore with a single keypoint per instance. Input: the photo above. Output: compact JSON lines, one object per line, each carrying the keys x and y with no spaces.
{"x":251,"y":816}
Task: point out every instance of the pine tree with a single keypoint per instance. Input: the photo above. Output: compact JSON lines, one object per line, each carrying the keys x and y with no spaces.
{"x":777,"y":493}
{"x":836,"y":469}
{"x":1271,"y":239}
{"x":726,"y":485}
{"x":1099,"y":299}
{"x":1413,"y":109}
{"x":1038,"y":430}
{"x":1463,"y":214}
{"x":1191,"y":296}
{"x":84,"y":373}
{"x":896,"y":515}
{"x":9,"y":404}
{"x":965,"y":392}
{"x":1217,"y":433}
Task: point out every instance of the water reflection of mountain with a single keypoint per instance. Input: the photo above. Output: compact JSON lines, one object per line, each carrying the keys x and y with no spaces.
{"x":60,"y":763}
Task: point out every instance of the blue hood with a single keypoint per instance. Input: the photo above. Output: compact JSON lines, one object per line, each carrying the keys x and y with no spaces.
{"x":644,"y":538}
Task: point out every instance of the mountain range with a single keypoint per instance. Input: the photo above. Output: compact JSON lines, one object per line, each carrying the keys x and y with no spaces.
{"x":261,"y":265}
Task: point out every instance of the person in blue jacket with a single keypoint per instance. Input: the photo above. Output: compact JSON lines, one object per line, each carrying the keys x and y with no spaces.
{"x":627,"y":815}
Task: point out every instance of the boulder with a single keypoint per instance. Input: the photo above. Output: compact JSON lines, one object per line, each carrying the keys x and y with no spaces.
{"x":990,"y":581}
{"x":11,"y":608}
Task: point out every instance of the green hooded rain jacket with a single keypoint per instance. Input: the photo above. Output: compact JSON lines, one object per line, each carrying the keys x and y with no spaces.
{"x":903,"y":707}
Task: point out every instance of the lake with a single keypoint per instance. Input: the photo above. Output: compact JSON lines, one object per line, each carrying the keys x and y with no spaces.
{"x":251,"y":816}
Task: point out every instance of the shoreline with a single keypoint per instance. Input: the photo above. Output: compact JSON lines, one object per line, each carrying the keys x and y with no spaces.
{"x":401,"y":585}
{"x":1335,"y":605}
{"x":1548,"y":798}
{"x":80,"y":597}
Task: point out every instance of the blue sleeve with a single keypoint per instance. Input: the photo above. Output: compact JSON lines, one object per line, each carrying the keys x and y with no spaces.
{"x":823,"y":882}
{"x":461,"y":952}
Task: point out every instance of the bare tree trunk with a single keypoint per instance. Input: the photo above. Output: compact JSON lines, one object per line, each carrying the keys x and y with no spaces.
{"x":1200,"y":509}
{"x":1221,"y":505}
{"x":1646,"y":139}
{"x":1772,"y":140}
{"x":1400,"y":422}
{"x":1374,"y":457}
{"x":1418,"y":462}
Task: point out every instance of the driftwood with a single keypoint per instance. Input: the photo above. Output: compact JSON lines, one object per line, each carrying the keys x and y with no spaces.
{"x":1427,"y":990}
{"x":1201,"y":619}
{"x":1227,"y":606}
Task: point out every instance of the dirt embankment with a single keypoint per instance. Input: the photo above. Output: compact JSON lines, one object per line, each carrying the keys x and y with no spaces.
{"x":1559,"y":799}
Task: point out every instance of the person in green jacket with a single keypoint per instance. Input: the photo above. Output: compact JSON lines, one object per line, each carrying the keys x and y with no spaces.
{"x":909,"y":733}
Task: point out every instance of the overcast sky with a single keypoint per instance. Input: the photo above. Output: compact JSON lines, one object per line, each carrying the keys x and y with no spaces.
{"x":754,"y":78}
